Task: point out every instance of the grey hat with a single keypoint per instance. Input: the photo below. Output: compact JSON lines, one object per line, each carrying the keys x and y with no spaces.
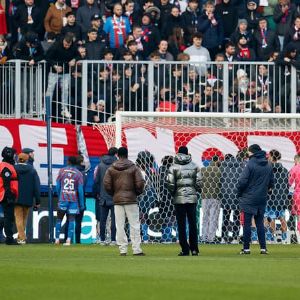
{"x":242,"y":21}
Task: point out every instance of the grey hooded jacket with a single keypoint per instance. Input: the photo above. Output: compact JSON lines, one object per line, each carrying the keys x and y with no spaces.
{"x":183,"y":180}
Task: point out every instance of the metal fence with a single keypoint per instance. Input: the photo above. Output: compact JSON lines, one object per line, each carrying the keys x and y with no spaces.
{"x":92,"y":91}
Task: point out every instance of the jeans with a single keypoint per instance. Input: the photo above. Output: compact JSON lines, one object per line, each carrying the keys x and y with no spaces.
{"x":259,"y":221}
{"x":103,"y":218}
{"x":53,"y":80}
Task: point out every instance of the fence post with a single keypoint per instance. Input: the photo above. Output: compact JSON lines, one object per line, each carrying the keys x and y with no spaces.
{"x":150,"y":86}
{"x":225,"y":86}
{"x":293,"y":90}
{"x":18,"y":89}
{"x":84,"y":90}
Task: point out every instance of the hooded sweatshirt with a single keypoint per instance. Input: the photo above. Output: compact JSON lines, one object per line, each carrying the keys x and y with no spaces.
{"x":254,"y":183}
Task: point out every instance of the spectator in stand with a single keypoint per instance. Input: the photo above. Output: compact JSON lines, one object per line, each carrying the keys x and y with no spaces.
{"x":84,"y":15}
{"x":150,"y":35}
{"x":287,"y":59}
{"x":94,"y":48}
{"x":130,"y":12}
{"x":117,"y":28}
{"x":29,"y":190}
{"x":266,"y":41}
{"x":264,"y":82}
{"x":183,"y":183}
{"x":210,"y":24}
{"x":198,"y":53}
{"x":105,"y":200}
{"x":5,"y":52}
{"x":242,"y":29}
{"x":293,"y":35}
{"x":268,"y":13}
{"x":230,"y":53}
{"x":49,"y":41}
{"x":165,"y":8}
{"x":97,"y":23}
{"x":137,"y":35}
{"x":176,"y":42}
{"x":8,"y":192}
{"x":278,"y":199}
{"x":10,"y":10}
{"x":173,"y":20}
{"x":230,"y":170}
{"x":284,"y":15}
{"x":61,"y":58}
{"x":227,"y":11}
{"x":72,"y":27}
{"x":254,"y":184}
{"x":251,"y":15}
{"x":244,"y":52}
{"x":294,"y":181}
{"x":163,"y":51}
{"x":56,"y":17}
{"x":30,"y":49}
{"x":28,"y":18}
{"x":190,"y":20}
{"x":124,"y":181}
{"x":133,"y":48}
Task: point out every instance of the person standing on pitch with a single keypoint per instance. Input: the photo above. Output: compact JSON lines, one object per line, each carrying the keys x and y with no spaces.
{"x":184,"y":183}
{"x":254,"y":183}
{"x":69,"y":186}
{"x":124,"y":181}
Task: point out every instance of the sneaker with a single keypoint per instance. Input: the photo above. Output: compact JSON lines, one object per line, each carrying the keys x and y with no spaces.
{"x":57,"y":242}
{"x":195,"y":253}
{"x":123,"y":254}
{"x":139,"y":254}
{"x":113,"y":243}
{"x":234,"y":242}
{"x":21,"y":242}
{"x":245,"y":252}
{"x":264,"y":251}
{"x":102,"y":243}
{"x":66,"y":114}
{"x":67,"y":243}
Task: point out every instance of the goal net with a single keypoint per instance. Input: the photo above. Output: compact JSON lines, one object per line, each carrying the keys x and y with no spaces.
{"x":222,"y":140}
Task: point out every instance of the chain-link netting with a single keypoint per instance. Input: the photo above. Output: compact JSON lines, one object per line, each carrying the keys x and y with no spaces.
{"x":218,"y":145}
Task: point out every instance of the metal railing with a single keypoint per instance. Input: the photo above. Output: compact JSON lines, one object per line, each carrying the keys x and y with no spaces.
{"x":92,"y":91}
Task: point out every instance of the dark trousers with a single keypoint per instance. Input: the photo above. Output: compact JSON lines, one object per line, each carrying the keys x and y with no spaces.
{"x":226,"y":222}
{"x":103,"y":218}
{"x":78,"y":221}
{"x":183,"y":212}
{"x":9,"y":218}
{"x":259,"y":221}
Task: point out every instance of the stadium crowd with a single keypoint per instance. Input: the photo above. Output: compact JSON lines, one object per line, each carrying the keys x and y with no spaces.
{"x":66,"y":32}
{"x":253,"y":185}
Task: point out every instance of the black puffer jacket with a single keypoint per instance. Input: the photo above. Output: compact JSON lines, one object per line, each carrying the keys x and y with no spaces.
{"x":29,"y":185}
{"x":184,"y":180}
{"x":254,"y":182}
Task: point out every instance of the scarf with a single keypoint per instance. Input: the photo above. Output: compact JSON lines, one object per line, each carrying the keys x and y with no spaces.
{"x":285,"y":15}
{"x":244,"y":53}
{"x":119,"y":29}
{"x":296,"y":35}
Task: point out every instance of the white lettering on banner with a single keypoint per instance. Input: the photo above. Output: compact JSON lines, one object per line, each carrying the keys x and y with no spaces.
{"x":6,"y":138}
{"x":284,"y":145}
{"x":140,"y":139}
{"x":200,"y":143}
{"x":33,"y":136}
{"x":91,"y":226}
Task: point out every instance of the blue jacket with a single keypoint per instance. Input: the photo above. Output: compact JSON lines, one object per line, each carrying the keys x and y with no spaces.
{"x":254,"y":183}
{"x":29,"y":185}
{"x":212,"y":35}
{"x":101,"y":194}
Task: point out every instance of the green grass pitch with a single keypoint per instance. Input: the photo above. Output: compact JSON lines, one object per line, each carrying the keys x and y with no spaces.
{"x":98,"y":272}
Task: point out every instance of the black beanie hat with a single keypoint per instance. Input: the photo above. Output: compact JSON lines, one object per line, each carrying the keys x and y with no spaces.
{"x":8,"y":154}
{"x":254,"y":148}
